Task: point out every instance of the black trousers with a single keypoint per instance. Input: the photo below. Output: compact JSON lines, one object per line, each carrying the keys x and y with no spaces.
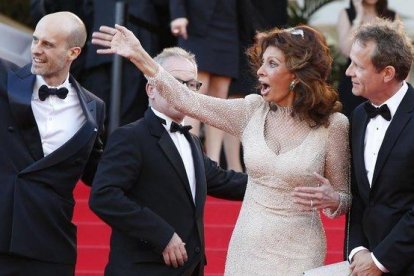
{"x":13,"y":265}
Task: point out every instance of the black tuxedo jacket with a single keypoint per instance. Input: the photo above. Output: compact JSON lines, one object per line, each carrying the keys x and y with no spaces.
{"x":141,"y":190}
{"x":36,"y":201}
{"x":382,"y":217}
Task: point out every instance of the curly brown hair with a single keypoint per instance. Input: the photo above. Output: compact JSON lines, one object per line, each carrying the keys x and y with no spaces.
{"x":307,"y":56}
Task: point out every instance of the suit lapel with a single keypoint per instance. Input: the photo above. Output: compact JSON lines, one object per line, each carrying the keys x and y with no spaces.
{"x":168,"y":147}
{"x":20,"y":90}
{"x":400,"y":120}
{"x":199,"y":171}
{"x":84,"y":135}
{"x":88,"y":104}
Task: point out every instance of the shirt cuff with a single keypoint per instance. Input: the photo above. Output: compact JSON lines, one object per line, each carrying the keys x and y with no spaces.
{"x":378,"y":264}
{"x":354,"y":251}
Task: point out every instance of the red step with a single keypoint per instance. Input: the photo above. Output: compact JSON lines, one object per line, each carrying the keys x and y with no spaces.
{"x":93,"y":233}
{"x":92,"y":258}
{"x":217,"y":212}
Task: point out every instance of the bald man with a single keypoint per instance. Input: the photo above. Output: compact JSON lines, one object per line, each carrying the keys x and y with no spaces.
{"x":50,"y":129}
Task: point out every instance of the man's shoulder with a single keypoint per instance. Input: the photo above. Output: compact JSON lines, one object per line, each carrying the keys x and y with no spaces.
{"x":131,"y":133}
{"x":6,"y":65}
{"x":135,"y":127}
{"x":90,"y":95}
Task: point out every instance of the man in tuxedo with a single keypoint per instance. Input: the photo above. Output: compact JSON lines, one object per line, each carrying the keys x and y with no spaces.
{"x":49,"y":131}
{"x":381,"y":235}
{"x":151,"y":186}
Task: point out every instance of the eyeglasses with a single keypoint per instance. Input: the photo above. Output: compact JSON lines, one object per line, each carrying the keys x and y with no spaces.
{"x":191,"y":84}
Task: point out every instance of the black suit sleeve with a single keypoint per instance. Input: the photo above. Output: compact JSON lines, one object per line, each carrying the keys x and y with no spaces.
{"x":399,"y":242}
{"x":97,"y":150}
{"x":177,"y":9}
{"x":117,"y":173}
{"x":225,"y":184}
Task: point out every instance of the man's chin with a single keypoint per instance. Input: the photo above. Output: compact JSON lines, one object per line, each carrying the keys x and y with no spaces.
{"x":356,"y":92}
{"x":36,"y":71}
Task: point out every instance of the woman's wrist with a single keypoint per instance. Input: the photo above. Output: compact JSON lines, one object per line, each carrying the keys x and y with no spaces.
{"x":336,"y":201}
{"x":143,"y":61}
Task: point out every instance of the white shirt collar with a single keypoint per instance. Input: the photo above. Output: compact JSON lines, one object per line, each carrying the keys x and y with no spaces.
{"x":40,"y":81}
{"x":396,"y":99}
{"x":167,"y":119}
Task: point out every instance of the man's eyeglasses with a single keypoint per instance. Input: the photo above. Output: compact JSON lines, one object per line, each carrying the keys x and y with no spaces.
{"x":191,"y":84}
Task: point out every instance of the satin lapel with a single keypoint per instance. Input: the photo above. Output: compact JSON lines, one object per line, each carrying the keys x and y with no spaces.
{"x":87,"y":103}
{"x":359,"y":125}
{"x":400,"y":120}
{"x":87,"y":133}
{"x":167,"y":146}
{"x":201,"y":191}
{"x":20,"y":90}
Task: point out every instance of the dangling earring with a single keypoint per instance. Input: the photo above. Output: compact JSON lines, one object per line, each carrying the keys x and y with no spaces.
{"x":292,"y":85}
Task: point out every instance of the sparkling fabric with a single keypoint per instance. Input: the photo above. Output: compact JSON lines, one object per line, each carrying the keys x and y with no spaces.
{"x":272,"y":235}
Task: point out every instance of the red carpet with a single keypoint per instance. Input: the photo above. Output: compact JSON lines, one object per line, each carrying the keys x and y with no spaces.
{"x":220,"y":216}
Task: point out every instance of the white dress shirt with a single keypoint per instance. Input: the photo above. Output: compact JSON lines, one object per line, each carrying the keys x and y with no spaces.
{"x":184,"y":148}
{"x":374,"y":135}
{"x":57,"y":119}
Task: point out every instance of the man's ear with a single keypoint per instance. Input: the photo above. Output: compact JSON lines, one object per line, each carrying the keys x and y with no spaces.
{"x":74,"y":52}
{"x":150,"y":90}
{"x":388,"y":73}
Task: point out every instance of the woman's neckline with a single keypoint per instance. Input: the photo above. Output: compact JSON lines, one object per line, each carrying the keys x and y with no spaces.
{"x":281,"y":109}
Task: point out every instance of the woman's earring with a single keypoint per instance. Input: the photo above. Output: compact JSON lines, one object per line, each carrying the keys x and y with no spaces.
{"x":292,"y":85}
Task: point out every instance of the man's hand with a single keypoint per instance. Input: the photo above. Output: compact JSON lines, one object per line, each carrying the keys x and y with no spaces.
{"x":179,"y":27}
{"x":174,"y":253}
{"x":363,"y":265}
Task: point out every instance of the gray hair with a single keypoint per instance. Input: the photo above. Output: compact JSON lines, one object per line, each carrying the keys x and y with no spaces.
{"x":393,"y":46}
{"x":175,"y":52}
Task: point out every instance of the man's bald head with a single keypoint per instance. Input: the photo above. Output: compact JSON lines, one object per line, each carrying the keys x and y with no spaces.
{"x":68,"y":23}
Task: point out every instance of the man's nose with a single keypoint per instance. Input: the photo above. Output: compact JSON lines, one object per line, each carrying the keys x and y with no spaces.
{"x":349,"y":71}
{"x":36,"y":49}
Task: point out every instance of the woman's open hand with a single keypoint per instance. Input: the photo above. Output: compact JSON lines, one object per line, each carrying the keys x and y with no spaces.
{"x":118,"y":40}
{"x":123,"y":42}
{"x":320,"y":197}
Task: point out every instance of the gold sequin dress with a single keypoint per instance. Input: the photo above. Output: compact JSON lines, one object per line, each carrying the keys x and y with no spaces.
{"x":272,"y":235}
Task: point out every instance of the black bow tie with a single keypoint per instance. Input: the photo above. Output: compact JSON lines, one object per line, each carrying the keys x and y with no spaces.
{"x":373,"y":111}
{"x":177,"y":127}
{"x":45,"y":92}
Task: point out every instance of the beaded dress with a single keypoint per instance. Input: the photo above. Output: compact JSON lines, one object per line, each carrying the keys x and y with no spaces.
{"x":272,"y":235}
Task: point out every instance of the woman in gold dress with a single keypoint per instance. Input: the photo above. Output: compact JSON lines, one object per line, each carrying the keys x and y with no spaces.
{"x":293,"y":136}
